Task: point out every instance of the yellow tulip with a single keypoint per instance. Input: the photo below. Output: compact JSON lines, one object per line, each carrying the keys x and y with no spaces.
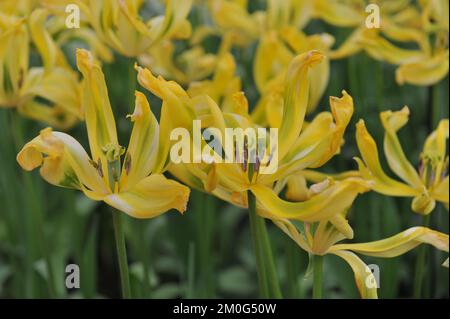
{"x":50,"y":93}
{"x":273,"y":55}
{"x":426,"y":185}
{"x":298,"y":149}
{"x":425,"y":64}
{"x":120,"y":26}
{"x":135,"y":187}
{"x":20,"y":8}
{"x":327,"y":234}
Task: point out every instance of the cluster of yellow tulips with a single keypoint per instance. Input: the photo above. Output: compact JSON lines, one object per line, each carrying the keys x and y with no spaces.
{"x":290,"y":68}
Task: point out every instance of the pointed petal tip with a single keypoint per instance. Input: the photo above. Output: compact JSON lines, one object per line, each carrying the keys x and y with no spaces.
{"x":182,"y":200}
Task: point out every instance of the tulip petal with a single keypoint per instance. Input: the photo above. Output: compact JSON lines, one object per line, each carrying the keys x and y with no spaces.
{"x":289,"y":229}
{"x":396,"y":158}
{"x":426,"y":72}
{"x":371,"y":168}
{"x":51,"y":55}
{"x":142,"y":150}
{"x":59,"y":86}
{"x":101,"y":126}
{"x":342,"y":109}
{"x":63,"y":163}
{"x":398,"y":244}
{"x":440,"y":191}
{"x":364,"y":278}
{"x":329,"y":202}
{"x":296,"y":98}
{"x":151,"y":197}
{"x":337,"y":13}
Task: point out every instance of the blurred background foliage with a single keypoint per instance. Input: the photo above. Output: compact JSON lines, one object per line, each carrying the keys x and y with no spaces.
{"x":207,"y":253}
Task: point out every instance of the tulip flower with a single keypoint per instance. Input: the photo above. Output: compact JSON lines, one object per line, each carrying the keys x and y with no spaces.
{"x":120,"y":25}
{"x":280,"y":39}
{"x":425,"y":64}
{"x":242,"y":182}
{"x":298,"y":148}
{"x":323,"y":238}
{"x":134,"y":187}
{"x":50,"y":93}
{"x":427,"y":184}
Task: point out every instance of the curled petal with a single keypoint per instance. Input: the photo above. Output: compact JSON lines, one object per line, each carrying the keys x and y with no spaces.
{"x":342,"y":110}
{"x":63,"y":162}
{"x":370,"y":167}
{"x":364,"y":278}
{"x":396,"y":158}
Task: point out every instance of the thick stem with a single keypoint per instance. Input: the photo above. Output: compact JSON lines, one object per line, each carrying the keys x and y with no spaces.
{"x":420,"y":263}
{"x":318,"y":276}
{"x":121,"y":255}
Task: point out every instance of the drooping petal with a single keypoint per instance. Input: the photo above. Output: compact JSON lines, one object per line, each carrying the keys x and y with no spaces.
{"x":371,"y":168}
{"x":381,"y":49}
{"x":151,"y":197}
{"x":425,"y":72}
{"x":63,"y":162}
{"x":331,"y":201}
{"x":143,"y":147}
{"x":364,"y":278}
{"x":398,"y":244}
{"x":396,"y":158}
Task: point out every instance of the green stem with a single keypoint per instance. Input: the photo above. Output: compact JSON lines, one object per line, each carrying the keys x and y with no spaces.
{"x":267,"y":276}
{"x":292,"y":266}
{"x":420,"y":263}
{"x":143,"y":256}
{"x":122,"y":255}
{"x":318,"y":276}
{"x":274,"y":286}
{"x":204,"y":223}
